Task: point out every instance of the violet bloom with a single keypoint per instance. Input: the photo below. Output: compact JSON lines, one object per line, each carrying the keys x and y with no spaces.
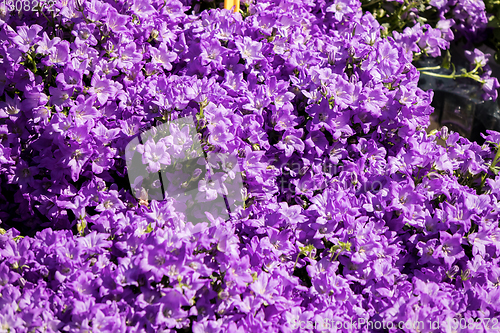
{"x":477,"y":58}
{"x":69,"y":78}
{"x":316,"y":140}
{"x":116,"y":22}
{"x":143,"y":9}
{"x":60,"y":96}
{"x":26,"y":36}
{"x":220,"y":136}
{"x":178,"y":141}
{"x":84,"y":33}
{"x":291,"y":142}
{"x":33,"y":99}
{"x":265,"y":286}
{"x":490,"y":87}
{"x":95,"y":242}
{"x":249,"y":49}
{"x":110,"y":201}
{"x":74,"y":157}
{"x":11,"y":107}
{"x":210,"y":187}
{"x":102,"y":88}
{"x":212,"y":52}
{"x":342,"y":92}
{"x":450,"y":248}
{"x":162,"y":56}
{"x":284,"y":120}
{"x":154,"y":154}
{"x":374,"y":100}
{"x":58,"y":55}
{"x":438,"y":4}
{"x":432,"y":42}
{"x":128,"y":56}
{"x":291,"y":214}
{"x":258,"y":101}
{"x":233,"y":81}
{"x":340,"y":8}
{"x":24,"y":174}
{"x":77,"y":206}
{"x":170,"y":310}
{"x":426,"y":252}
{"x":481,"y":239}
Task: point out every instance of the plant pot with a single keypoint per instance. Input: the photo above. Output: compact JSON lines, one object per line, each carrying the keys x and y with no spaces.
{"x":458,"y":102}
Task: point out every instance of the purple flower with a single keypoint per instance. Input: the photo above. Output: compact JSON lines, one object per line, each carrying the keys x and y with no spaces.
{"x":490,"y":87}
{"x":477,"y":58}
{"x":83,"y":110}
{"x":317,"y":141}
{"x":291,"y":214}
{"x":450,"y":248}
{"x":249,"y":50}
{"x":210,"y":187}
{"x":426,"y":252}
{"x":162,"y":56}
{"x":102,"y":88}
{"x":212,"y":52}
{"x":11,"y":107}
{"x":179,"y":141}
{"x":374,"y":100}
{"x":110,"y":201}
{"x":58,"y":54}
{"x":342,"y":92}
{"x":154,"y":155}
{"x":46,"y":45}
{"x":170,"y":308}
{"x":60,"y":96}
{"x":340,"y":8}
{"x":128,"y":56}
{"x":142,"y":8}
{"x":26,"y":37}
{"x":84,"y":33}
{"x":70,"y":78}
{"x":220,"y":136}
{"x":116,"y":22}
{"x":75,"y":156}
{"x":291,"y":142}
{"x":264,"y":287}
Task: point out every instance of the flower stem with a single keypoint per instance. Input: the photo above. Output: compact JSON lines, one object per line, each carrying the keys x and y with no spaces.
{"x":428,"y":68}
{"x":492,"y":166}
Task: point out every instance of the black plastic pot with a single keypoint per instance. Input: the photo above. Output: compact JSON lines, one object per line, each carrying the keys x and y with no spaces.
{"x":458,"y":102}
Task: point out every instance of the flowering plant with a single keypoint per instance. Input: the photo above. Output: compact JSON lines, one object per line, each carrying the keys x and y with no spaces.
{"x":352,"y":213}
{"x":426,"y":28}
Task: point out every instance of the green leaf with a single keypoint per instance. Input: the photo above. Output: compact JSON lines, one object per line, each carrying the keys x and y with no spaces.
{"x":345,"y":246}
{"x":446,"y":60}
{"x":81,"y":226}
{"x":495,"y":170}
{"x":305,"y":249}
{"x":497,"y":57}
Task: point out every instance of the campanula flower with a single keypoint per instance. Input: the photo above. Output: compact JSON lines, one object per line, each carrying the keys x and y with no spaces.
{"x":154,"y":155}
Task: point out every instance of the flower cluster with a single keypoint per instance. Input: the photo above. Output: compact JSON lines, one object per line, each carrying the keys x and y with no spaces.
{"x":351,"y":211}
{"x":427,"y":27}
